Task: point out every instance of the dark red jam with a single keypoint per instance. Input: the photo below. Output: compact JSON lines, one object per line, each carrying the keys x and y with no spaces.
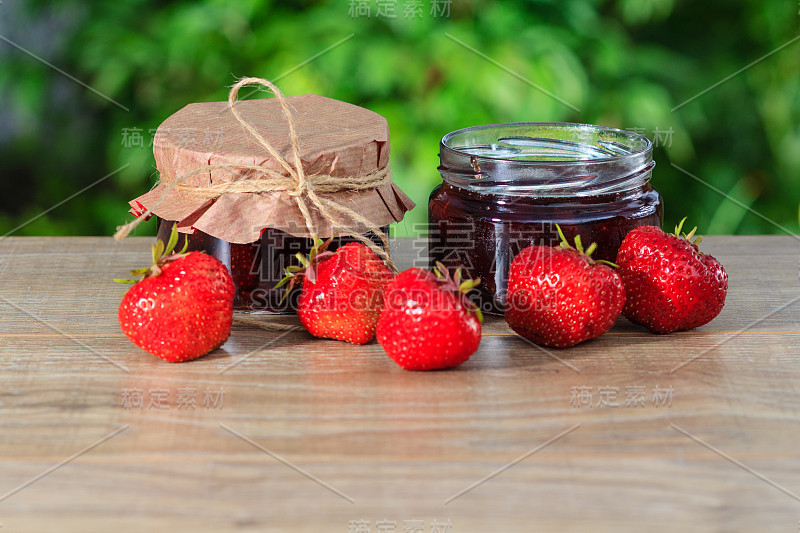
{"x":507,"y":186}
{"x":257,"y":267}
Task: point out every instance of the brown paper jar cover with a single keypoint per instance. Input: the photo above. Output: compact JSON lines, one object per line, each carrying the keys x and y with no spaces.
{"x":336,"y":138}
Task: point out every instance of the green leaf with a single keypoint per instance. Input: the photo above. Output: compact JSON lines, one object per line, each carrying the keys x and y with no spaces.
{"x":578,"y":243}
{"x":564,"y":242}
{"x":283,"y":282}
{"x":173,"y":240}
{"x":440,"y":270}
{"x":158,"y":251}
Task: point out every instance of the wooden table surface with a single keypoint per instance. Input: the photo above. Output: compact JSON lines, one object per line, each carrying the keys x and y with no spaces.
{"x":695,"y":431}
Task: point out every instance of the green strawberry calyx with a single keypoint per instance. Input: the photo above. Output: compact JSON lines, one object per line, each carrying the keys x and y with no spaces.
{"x":461,"y":285}
{"x":307,"y":268}
{"x":579,"y":247}
{"x":162,"y":254}
{"x":685,"y":236}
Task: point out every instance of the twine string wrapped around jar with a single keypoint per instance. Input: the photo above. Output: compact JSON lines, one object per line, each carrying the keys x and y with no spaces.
{"x":304,"y":188}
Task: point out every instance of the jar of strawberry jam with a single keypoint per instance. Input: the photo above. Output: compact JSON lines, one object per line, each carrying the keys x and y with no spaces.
{"x":252,"y":182}
{"x":507,"y":186}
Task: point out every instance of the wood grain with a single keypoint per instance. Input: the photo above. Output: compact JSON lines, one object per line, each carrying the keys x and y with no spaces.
{"x":303,"y":426}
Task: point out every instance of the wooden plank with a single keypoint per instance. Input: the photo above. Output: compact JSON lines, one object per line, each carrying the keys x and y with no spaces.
{"x":399,"y":444}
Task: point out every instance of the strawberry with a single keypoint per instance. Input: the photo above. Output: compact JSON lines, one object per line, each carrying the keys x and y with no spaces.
{"x":558,"y":296}
{"x":671,"y":285}
{"x":182,"y":305}
{"x":342,"y":291}
{"x":427,"y":322}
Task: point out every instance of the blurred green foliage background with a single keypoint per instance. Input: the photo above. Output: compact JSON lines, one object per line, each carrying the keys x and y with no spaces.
{"x":623,"y":63}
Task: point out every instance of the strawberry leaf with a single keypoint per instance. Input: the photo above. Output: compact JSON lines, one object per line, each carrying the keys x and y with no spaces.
{"x":564,"y":242}
{"x":283,"y":282}
{"x":688,"y":236}
{"x":578,"y":244}
{"x":288,"y":290}
{"x":323,"y":255}
{"x":140,"y":271}
{"x":468,"y":285}
{"x":173,"y":240}
{"x":679,"y":227}
{"x":441,"y":271}
{"x":158,"y":251}
{"x":311,"y":274}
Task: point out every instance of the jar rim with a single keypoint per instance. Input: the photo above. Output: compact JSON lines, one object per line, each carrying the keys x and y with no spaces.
{"x":647,"y":145}
{"x":545,"y":158}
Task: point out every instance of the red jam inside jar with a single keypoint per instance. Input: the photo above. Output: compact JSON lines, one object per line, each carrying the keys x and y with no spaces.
{"x":507,"y":186}
{"x":256,"y":268}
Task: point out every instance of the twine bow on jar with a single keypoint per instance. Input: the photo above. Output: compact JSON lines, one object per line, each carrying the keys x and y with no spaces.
{"x":293,"y":180}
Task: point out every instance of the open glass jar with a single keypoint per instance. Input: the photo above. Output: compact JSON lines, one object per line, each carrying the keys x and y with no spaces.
{"x":507,"y":186}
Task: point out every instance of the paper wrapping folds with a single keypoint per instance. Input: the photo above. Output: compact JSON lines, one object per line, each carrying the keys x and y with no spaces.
{"x":336,"y":138}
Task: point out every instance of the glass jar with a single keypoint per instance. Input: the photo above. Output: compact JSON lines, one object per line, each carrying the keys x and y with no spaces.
{"x":506,"y":186}
{"x":257,"y":267}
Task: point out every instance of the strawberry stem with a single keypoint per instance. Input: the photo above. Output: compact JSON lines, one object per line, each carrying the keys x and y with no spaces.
{"x":564,"y":242}
{"x":161,"y":254}
{"x":579,"y":246}
{"x":461,"y":285}
{"x":679,"y":227}
{"x":688,"y":236}
{"x":578,"y":243}
{"x":441,"y":271}
{"x":319,"y":251}
{"x":607,"y":263}
{"x":158,"y":251}
{"x":173,"y":240}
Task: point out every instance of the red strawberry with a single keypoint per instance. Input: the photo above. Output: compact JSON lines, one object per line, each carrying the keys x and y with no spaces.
{"x":182,"y":307}
{"x":671,"y":286}
{"x":559,"y":296}
{"x":427,"y":322}
{"x":342,"y":293}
